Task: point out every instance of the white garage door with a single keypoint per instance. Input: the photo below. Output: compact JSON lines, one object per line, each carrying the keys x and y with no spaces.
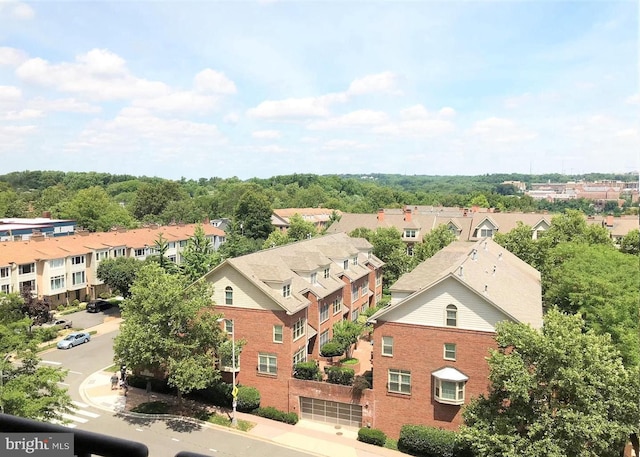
{"x":331,"y":412}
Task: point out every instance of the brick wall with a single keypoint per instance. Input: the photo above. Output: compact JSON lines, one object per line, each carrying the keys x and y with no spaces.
{"x":420,"y":350}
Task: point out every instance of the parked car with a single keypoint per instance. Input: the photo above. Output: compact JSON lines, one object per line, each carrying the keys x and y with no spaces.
{"x":95,"y":306}
{"x":73,"y":339}
{"x":59,"y":323}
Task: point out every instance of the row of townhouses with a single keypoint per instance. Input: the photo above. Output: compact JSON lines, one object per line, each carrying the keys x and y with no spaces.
{"x":429,"y":345}
{"x":61,"y":269}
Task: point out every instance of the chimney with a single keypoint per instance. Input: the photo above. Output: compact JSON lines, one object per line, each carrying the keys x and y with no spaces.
{"x":380,"y":215}
{"x":610,"y":220}
{"x":407,"y":214}
{"x":46,"y":214}
{"x":465,"y":212}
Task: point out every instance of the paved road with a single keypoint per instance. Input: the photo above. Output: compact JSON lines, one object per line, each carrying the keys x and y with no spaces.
{"x":162,"y":437}
{"x":83,"y":319}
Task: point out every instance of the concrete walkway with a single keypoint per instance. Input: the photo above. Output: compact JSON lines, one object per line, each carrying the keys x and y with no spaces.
{"x":315,"y":438}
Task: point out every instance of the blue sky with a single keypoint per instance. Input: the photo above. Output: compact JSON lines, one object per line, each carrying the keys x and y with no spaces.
{"x":257,"y":89}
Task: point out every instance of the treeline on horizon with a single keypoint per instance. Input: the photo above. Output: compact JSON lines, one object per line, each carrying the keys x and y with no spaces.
{"x":155,"y":199}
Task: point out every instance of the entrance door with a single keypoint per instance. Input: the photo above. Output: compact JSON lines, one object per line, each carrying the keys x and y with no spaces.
{"x":331,"y":412}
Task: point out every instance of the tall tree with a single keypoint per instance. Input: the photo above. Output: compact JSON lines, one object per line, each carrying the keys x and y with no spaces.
{"x":199,"y":256}
{"x":252,"y":216}
{"x":94,"y":210}
{"x":520,"y":242}
{"x":170,"y":328}
{"x":389,"y":247}
{"x":152,"y":199}
{"x":299,"y":229}
{"x":630,"y":243}
{"x":276,"y":238}
{"x":119,"y":273}
{"x":432,"y":242}
{"x":553,"y":393}
{"x":346,"y":333}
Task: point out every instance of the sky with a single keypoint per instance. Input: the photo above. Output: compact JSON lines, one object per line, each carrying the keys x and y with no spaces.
{"x":263,"y":88}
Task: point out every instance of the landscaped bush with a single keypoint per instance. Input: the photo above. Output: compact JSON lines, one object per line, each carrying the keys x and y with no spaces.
{"x":340,"y":375}
{"x":331,"y":349}
{"x":248,"y":399}
{"x":306,"y":370}
{"x":360,"y":383}
{"x":272,"y":413}
{"x":431,"y":442}
{"x":43,"y":334}
{"x":372,"y":436}
{"x":218,"y":394}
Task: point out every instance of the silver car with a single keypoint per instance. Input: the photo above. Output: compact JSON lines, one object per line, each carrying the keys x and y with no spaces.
{"x":73,"y":339}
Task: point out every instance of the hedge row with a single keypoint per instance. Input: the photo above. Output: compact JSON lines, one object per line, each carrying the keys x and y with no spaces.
{"x":424,"y":441}
{"x":272,"y":413}
{"x":372,"y":436}
{"x":307,"y":371}
{"x":340,"y":375}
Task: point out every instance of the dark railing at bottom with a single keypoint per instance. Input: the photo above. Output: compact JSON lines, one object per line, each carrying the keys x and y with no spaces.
{"x":86,"y":443}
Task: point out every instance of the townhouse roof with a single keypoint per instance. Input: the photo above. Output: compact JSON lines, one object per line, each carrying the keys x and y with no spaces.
{"x":281,"y":216}
{"x":495,"y":274}
{"x":41,"y":248}
{"x":283,"y":265}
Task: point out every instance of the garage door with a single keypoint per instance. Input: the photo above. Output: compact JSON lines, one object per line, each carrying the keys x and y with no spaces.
{"x":331,"y":412}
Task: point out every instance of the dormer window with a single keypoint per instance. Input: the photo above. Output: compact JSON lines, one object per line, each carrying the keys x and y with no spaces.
{"x":345,"y":264}
{"x":314,"y":278}
{"x":486,"y":232}
{"x":410,"y":233}
{"x":326,"y":273}
{"x":354,"y":261}
{"x":286,"y":290}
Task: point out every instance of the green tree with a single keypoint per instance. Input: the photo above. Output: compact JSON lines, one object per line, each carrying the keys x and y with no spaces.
{"x":236,"y":245}
{"x":346,"y":333}
{"x":479,"y":200}
{"x":389,"y":247}
{"x":299,"y":229}
{"x":160,"y":247}
{"x":94,"y":210}
{"x":276,"y":238}
{"x":553,"y":393}
{"x":519,"y":241}
{"x":153,"y":198}
{"x":170,"y":328}
{"x":433,"y":242}
{"x":199,"y":256}
{"x":119,"y":273}
{"x":253,"y":216}
{"x":630,"y":243}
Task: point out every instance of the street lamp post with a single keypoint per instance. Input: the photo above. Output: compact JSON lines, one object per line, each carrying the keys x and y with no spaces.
{"x":234,"y":392}
{"x":6,"y":357}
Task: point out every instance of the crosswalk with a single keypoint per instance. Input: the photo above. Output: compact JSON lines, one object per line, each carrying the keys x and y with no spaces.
{"x":77,"y":415}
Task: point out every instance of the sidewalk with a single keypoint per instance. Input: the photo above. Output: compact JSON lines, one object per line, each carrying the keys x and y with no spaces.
{"x":315,"y":438}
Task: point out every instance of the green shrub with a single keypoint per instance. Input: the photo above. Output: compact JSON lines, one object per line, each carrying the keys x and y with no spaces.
{"x":157,"y":385}
{"x":306,"y":370}
{"x":431,"y":442}
{"x":218,"y":394}
{"x":331,"y":349}
{"x":275,"y":414}
{"x":372,"y":436}
{"x":43,"y":334}
{"x":360,"y":383}
{"x":340,"y":375}
{"x":248,"y":399}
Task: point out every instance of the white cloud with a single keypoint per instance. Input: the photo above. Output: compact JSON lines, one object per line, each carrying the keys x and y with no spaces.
{"x":216,"y":82}
{"x":332,"y":145}
{"x":447,"y":111}
{"x":16,"y":10}
{"x":11,"y":56}
{"x":21,"y":115}
{"x":66,"y":105}
{"x":414,"y":112}
{"x":10,"y":94}
{"x":359,"y":118}
{"x":417,"y":121}
{"x":12,"y":136}
{"x":378,"y":83}
{"x":501,"y":130}
{"x":266,"y":134}
{"x":517,"y":100}
{"x":231,"y":118}
{"x":291,"y":108}
{"x":179,"y":102}
{"x":98,"y":74}
{"x":634,"y":99}
{"x":270,"y":149}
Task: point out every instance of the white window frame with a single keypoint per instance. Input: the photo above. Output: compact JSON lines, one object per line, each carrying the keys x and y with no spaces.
{"x":401,"y":379}
{"x":314,"y":278}
{"x":278,"y":333}
{"x":4,"y":272}
{"x":354,"y":260}
{"x":337,"y":305}
{"x":286,"y":290}
{"x":355,"y":291}
{"x":77,"y":260}
{"x":5,"y":288}
{"x":32,"y":269}
{"x":300,"y":355}
{"x":57,"y":282}
{"x":267,"y":363}
{"x":139,"y":252}
{"x":410,"y":233}
{"x":78,"y":275}
{"x":457,"y":386}
{"x":486,"y":232}
{"x":299,"y":329}
{"x":326,"y":273}
{"x":345,"y":265}
{"x":324,"y":338}
{"x":228,"y":295}
{"x":451,"y":315}
{"x":387,"y":346}
{"x":56,"y":263}
{"x":324,"y":312}
{"x":449,"y":351}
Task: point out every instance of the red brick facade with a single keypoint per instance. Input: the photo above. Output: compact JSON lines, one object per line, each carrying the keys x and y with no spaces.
{"x":420,"y":350}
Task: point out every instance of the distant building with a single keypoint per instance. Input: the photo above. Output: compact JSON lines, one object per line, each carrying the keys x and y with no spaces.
{"x":24,"y":228}
{"x":320,"y":217}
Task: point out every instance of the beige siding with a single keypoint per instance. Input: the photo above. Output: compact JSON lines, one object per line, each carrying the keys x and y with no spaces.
{"x":428,"y":308}
{"x":245,"y":294}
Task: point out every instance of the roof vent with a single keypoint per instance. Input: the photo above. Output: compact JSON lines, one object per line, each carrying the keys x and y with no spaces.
{"x":474,"y":254}
{"x":486,"y":288}
{"x":460,"y":271}
{"x":500,"y":256}
{"x":494,"y":270}
{"x":485,"y":245}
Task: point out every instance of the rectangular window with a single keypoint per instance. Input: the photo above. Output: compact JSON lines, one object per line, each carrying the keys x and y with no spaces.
{"x":409,"y":233}
{"x":102,"y":255}
{"x":486,"y":233}
{"x":77,"y":260}
{"x":4,"y":288}
{"x":314,"y":278}
{"x":326,"y":273}
{"x":286,"y":290}
{"x":387,"y":346}
{"x":354,"y":291}
{"x":56,"y":263}
{"x":354,"y":261}
{"x":324,"y":338}
{"x":183,"y":243}
{"x":119,"y":252}
{"x":139,"y":252}
{"x":228,"y":326}
{"x":277,"y":334}
{"x":345,"y":265}
{"x":449,"y":351}
{"x":267,"y":363}
{"x":173,"y":258}
{"x":399,"y":381}
{"x":365,"y":288}
{"x":4,"y":272}
{"x":77,"y":278}
{"x":27,"y":268}
{"x":298,"y":329}
{"x":337,"y":306}
{"x":300,"y":356}
{"x":171,"y":245}
{"x":57,"y":282}
{"x":28,"y":285}
{"x":324,"y":312}
{"x":378,"y":278}
{"x":449,"y":392}
{"x":354,"y":314}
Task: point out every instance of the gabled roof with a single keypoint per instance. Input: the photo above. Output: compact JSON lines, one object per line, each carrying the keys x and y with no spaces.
{"x":493,"y":273}
{"x":284,"y":263}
